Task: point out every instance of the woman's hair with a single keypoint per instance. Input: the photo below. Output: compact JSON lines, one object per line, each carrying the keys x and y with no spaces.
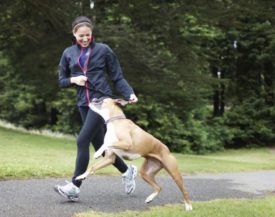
{"x":81,"y":21}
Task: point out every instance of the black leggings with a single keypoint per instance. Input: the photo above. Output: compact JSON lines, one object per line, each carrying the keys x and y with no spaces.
{"x":92,"y":131}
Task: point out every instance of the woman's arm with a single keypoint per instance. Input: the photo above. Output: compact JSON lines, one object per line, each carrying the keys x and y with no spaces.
{"x":64,"y":79}
{"x":115,"y":73}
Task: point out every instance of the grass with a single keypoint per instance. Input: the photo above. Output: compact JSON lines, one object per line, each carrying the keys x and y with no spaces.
{"x":228,"y":161}
{"x":24,"y":155}
{"x":264,"y":207}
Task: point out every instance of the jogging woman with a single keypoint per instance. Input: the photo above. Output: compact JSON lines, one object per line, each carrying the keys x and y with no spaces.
{"x":89,"y":66}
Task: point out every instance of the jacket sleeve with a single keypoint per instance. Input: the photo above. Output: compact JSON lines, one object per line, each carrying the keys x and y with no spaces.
{"x":115,"y":73}
{"x":64,"y":72}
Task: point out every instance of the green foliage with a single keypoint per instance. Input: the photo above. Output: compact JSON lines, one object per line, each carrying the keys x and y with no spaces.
{"x":20,"y":103}
{"x":202,"y":137}
{"x":251,"y":123}
{"x":68,"y":118}
{"x":170,"y":51}
{"x":256,"y":207}
{"x":161,"y":122}
{"x":44,"y":155}
{"x":245,"y":125}
{"x":255,"y":65}
{"x":193,"y":135}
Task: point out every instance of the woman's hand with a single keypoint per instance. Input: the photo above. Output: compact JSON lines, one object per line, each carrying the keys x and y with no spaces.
{"x":133,"y":98}
{"x":79,"y":80}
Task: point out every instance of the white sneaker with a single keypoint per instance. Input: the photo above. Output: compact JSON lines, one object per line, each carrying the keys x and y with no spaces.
{"x":128,"y":179}
{"x":69,"y":191}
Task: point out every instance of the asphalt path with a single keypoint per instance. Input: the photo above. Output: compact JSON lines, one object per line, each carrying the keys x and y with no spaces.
{"x":36,"y":197}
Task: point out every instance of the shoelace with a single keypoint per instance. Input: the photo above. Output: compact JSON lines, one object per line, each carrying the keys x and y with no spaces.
{"x":129,"y":176}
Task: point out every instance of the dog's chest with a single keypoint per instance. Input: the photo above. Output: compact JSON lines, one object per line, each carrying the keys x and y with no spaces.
{"x":110,"y":136}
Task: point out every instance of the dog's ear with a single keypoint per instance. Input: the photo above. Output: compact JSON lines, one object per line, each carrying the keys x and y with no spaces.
{"x":121,"y":102}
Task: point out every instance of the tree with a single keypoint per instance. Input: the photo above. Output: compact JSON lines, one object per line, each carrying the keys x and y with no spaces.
{"x":170,"y":51}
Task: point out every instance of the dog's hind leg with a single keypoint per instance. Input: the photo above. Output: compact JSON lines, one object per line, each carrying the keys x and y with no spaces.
{"x":148,"y":171}
{"x":171,"y":166}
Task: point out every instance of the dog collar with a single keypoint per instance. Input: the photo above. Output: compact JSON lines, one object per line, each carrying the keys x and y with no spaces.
{"x":115,"y":118}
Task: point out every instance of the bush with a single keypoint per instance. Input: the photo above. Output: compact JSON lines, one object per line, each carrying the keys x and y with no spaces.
{"x":252,"y":123}
{"x":67,"y":115}
{"x":23,"y":106}
{"x":159,"y":121}
{"x":205,"y":133}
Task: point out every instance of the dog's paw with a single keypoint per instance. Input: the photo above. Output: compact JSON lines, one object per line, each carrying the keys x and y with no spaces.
{"x":98,"y":153}
{"x":188,"y":207}
{"x":151,"y":197}
{"x":83,"y":176}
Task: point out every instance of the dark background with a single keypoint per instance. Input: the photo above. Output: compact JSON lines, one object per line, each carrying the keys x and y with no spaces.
{"x":203,"y":70}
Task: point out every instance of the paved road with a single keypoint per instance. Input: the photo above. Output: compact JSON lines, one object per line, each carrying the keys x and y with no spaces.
{"x":36,"y":198}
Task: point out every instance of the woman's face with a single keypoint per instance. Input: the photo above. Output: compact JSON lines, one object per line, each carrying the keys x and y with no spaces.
{"x":83,"y":36}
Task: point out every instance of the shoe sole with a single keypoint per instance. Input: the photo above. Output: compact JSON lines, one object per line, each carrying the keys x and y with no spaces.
{"x":134,"y":176}
{"x":57,"y":190}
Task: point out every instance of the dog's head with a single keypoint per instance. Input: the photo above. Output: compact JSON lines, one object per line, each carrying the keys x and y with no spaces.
{"x":107,"y":107}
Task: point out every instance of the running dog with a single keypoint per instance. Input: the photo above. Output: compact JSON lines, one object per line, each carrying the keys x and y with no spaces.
{"x":128,"y":141}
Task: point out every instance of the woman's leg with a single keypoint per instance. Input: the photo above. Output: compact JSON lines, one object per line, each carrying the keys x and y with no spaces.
{"x":87,"y":132}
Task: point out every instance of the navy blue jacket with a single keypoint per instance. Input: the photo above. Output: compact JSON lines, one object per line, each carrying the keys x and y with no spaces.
{"x":102,"y":66}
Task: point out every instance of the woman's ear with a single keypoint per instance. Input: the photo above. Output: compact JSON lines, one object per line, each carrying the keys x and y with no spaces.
{"x":121,"y":102}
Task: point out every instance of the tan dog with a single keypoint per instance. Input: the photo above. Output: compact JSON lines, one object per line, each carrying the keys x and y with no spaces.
{"x":128,"y":141}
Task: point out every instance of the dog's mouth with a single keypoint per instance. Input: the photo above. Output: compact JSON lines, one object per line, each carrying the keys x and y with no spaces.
{"x":96,"y":101}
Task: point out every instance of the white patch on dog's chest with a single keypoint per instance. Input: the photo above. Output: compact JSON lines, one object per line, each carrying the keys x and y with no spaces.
{"x":110,"y":136}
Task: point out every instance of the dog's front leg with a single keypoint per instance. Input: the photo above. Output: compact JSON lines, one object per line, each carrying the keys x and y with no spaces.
{"x":107,"y":160}
{"x":122,"y":145}
{"x":83,"y":176}
{"x":100,"y":151}
{"x":109,"y":138}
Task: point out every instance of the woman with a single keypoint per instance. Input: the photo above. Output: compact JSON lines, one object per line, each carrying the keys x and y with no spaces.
{"x":85,"y":65}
